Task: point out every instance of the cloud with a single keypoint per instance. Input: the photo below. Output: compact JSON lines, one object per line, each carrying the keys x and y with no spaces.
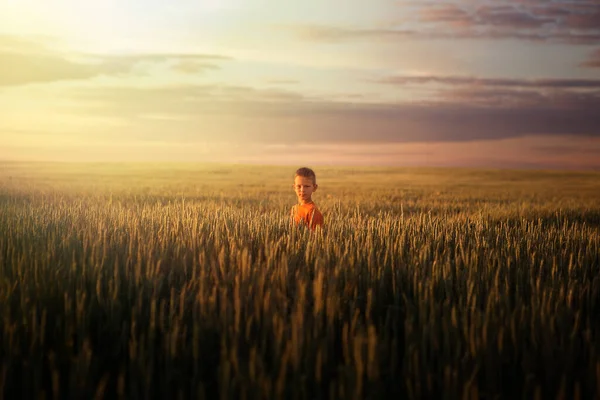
{"x":502,"y":82}
{"x":586,"y":20}
{"x":593,"y":60}
{"x":324,"y":33}
{"x":563,"y":22}
{"x":19,"y":69}
{"x":192,"y":67}
{"x":499,"y":15}
{"x":24,"y":45}
{"x":28,"y":61}
{"x":267,"y":116}
{"x":283,"y":81}
{"x":537,"y":21}
{"x":510,"y":17}
{"x":575,"y":95}
{"x":563,"y":152}
{"x":522,"y":152}
{"x":447,"y":13}
{"x":570,"y":148}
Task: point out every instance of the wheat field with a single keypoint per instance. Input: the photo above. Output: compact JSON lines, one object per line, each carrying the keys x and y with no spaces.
{"x":142,"y":281}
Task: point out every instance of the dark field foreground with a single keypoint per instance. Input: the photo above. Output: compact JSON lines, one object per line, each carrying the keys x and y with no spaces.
{"x":183,"y":281}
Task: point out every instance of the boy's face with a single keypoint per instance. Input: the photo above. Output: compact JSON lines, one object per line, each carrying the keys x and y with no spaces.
{"x":304,"y":188}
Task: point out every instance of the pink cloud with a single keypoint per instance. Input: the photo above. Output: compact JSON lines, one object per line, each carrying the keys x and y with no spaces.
{"x":539,"y":152}
{"x":593,"y":60}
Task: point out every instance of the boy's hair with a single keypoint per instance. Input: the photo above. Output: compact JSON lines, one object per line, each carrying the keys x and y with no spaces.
{"x":306,"y":172}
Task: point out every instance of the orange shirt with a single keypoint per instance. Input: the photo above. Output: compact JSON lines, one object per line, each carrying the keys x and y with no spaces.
{"x":307,"y":214}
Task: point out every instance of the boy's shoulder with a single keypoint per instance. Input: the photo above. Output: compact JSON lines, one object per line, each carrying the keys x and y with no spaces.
{"x":313,"y":210}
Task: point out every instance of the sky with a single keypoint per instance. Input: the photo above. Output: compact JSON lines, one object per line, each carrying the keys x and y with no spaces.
{"x":494,"y":84}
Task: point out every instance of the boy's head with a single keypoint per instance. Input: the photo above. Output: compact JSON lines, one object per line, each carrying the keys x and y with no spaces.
{"x":305,"y":183}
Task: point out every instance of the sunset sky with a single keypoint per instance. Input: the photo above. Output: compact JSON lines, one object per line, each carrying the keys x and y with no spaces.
{"x":512,"y":84}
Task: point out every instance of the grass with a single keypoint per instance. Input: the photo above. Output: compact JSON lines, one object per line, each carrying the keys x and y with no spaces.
{"x":187,"y":281}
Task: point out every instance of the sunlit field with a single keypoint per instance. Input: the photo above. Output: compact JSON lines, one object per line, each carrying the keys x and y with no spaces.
{"x":187,"y":281}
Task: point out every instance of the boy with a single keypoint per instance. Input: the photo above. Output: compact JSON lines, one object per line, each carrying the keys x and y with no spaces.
{"x":306,"y":211}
